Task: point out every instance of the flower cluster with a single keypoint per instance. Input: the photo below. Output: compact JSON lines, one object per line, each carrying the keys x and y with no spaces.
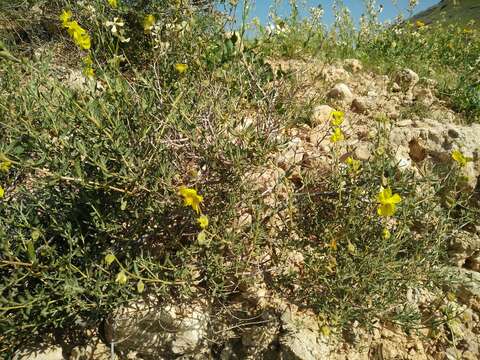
{"x":193,"y":199}
{"x":337,"y":120}
{"x":116,"y":28}
{"x":81,"y":38}
{"x":78,"y":34}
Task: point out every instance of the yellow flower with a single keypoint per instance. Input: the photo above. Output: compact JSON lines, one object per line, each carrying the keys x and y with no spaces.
{"x":386,"y":234}
{"x":181,"y":68}
{"x":5,"y":166}
{"x":121,"y":278}
{"x":191,"y":198}
{"x":148,"y":23}
{"x":2,"y":192}
{"x":419,"y":23}
{"x":337,"y":118}
{"x":82,"y":39}
{"x":78,"y":34}
{"x":467,"y":31}
{"x":353,"y":164}
{"x":460,"y":158}
{"x":203,"y":221}
{"x":337,"y":135}
{"x":113,"y":3}
{"x":65,"y":17}
{"x":387,"y":202}
{"x":73,"y":28}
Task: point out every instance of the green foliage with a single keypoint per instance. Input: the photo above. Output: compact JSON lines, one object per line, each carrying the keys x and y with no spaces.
{"x":353,"y":271}
{"x":445,"y":52}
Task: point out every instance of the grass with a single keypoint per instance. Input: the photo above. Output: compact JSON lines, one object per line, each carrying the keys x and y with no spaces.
{"x":95,"y":172}
{"x":457,"y":12}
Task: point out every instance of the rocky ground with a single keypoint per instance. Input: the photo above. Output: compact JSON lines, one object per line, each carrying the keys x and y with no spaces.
{"x":279,"y":330}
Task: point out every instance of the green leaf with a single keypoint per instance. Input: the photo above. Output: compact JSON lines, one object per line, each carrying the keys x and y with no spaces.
{"x":35,"y":235}
{"x":31,"y":251}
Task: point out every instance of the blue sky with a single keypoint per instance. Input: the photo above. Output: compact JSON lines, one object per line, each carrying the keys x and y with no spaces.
{"x":261,"y":8}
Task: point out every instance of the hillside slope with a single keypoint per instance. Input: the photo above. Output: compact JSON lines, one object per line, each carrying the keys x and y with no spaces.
{"x":459,"y":11}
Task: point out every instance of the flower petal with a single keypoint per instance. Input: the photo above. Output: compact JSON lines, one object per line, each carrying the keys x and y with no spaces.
{"x":395,"y":199}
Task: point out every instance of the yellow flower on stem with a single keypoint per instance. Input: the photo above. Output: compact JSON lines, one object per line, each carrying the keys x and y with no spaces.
{"x":113,"y":3}
{"x":337,"y":118}
{"x":460,"y":158}
{"x":191,"y":198}
{"x":387,"y":202}
{"x":77,"y":33}
{"x":181,"y":68}
{"x":203,"y":221}
{"x":84,"y":42}
{"x":337,"y":135}
{"x":148,"y":23}
{"x":353,"y":164}
{"x":81,"y":38}
{"x":65,"y":17}
{"x":2,"y":192}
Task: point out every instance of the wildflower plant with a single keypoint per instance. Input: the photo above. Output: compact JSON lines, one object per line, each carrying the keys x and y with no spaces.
{"x":336,"y":120}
